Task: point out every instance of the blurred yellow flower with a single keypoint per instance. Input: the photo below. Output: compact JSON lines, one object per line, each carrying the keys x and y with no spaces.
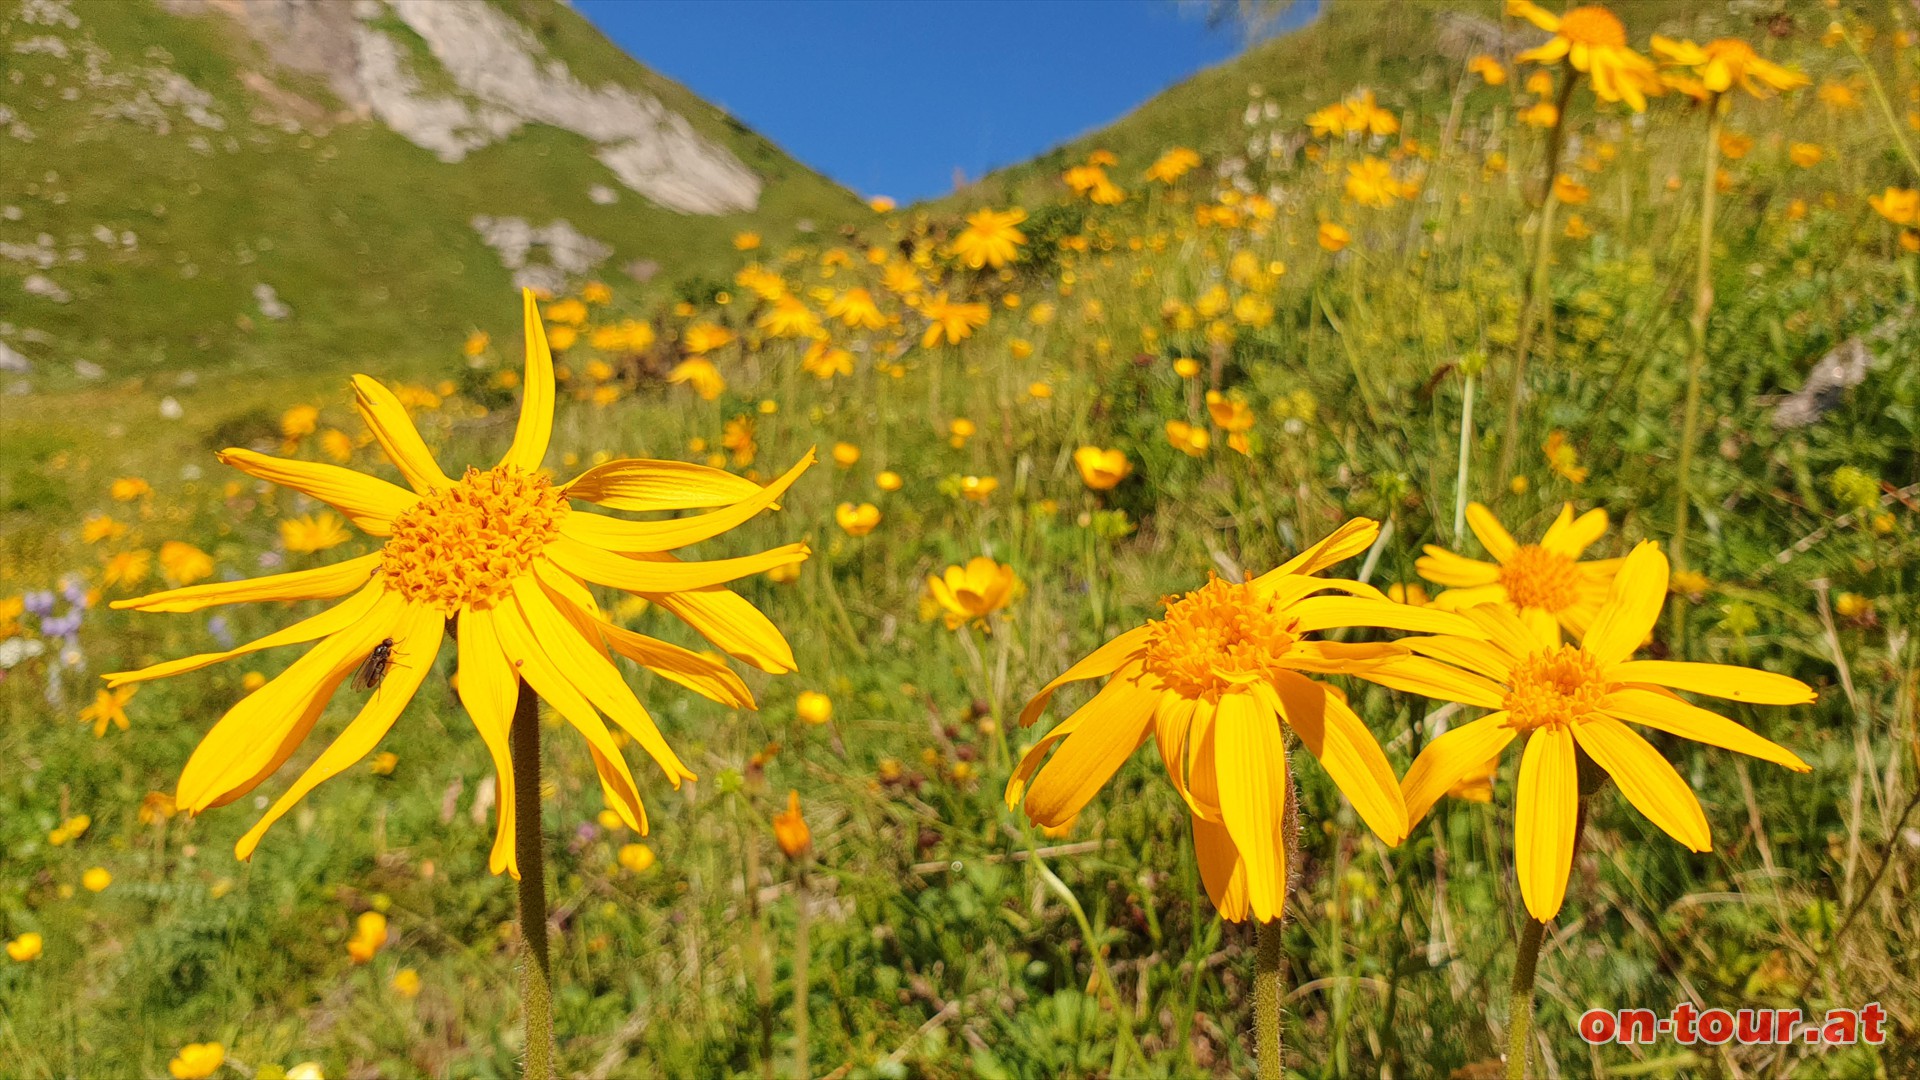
{"x":1370,"y":182}
{"x":197,"y":1061}
{"x":959,"y":430}
{"x":845,"y":454}
{"x":1488,"y":68}
{"x":824,"y":361}
{"x":1333,"y":237}
{"x":310,"y":533}
{"x":1562,"y":458}
{"x":596,"y":292}
{"x":857,"y":520}
{"x":476,"y":343}
{"x":184,"y":564}
{"x":978,"y":488}
{"x":881,"y":204}
{"x":1189,"y":439}
{"x":704,"y":337}
{"x":383,"y":763}
{"x":96,"y":879}
{"x":1898,"y":205}
{"x":1172,"y":165}
{"x":746,"y":241}
{"x":369,"y":936}
{"x":337,"y":445}
{"x":992,"y":238}
{"x":1101,"y":469}
{"x":1806,"y":155}
{"x":813,"y":707}
{"x":790,"y":829}
{"x":636,"y":858}
{"x":970,"y":593}
{"x":98,"y":527}
{"x":1728,"y":62}
{"x":1591,"y":39}
{"x":789,"y":318}
{"x":856,"y":308}
{"x":128,"y":488}
{"x":701,"y":375}
{"x":109,"y":707}
{"x":127,"y":568}
{"x":954,"y":321}
{"x":25,"y":947}
{"x":1570,"y":191}
{"x":298,"y":422}
{"x":887,"y":480}
{"x":1186,"y":367}
{"x":406,"y":983}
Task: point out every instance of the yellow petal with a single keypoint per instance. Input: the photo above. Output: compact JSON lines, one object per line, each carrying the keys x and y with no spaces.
{"x":319,"y":583}
{"x":1443,"y":567}
{"x":1442,"y":762}
{"x":535,"y":428}
{"x":1546,"y":812}
{"x":1571,"y":536}
{"x":583,"y":665}
{"x":614,"y":534}
{"x":1341,"y":657}
{"x":490,"y":690}
{"x":1668,"y":713}
{"x":369,"y":502}
{"x":1172,"y":720}
{"x":523,"y":648}
{"x":1222,"y":870}
{"x":1504,"y":628}
{"x":1331,"y":612}
{"x":1343,"y":543}
{"x":647,"y":484}
{"x":1633,"y":606}
{"x":732,"y":625}
{"x":1493,"y":535}
{"x":415,"y":644}
{"x":1647,"y":780}
{"x":331,"y":621}
{"x":708,"y":678}
{"x":1347,"y":750}
{"x":1251,"y":762}
{"x":1482,"y":658}
{"x":1720,"y":680}
{"x":398,"y":438}
{"x":257,"y":736}
{"x":1117,"y":721}
{"x":1442,"y":682}
{"x":650,"y":576}
{"x":1104,"y":660}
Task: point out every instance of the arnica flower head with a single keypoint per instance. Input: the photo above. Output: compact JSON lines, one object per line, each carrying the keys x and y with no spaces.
{"x":954,"y":320}
{"x":1101,"y":469}
{"x":1173,"y":165}
{"x":1728,"y":62}
{"x":500,"y":555}
{"x":1593,"y":40}
{"x":197,"y":1061}
{"x":1569,"y":700}
{"x":1211,"y":682}
{"x":970,"y":593}
{"x":857,"y":520}
{"x":991,"y":240}
{"x":1898,"y":205}
{"x":700,"y":374}
{"x":1545,"y":584}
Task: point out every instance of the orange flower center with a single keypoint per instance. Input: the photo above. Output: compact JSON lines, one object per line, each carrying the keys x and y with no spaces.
{"x":1538,"y":578}
{"x":1556,"y":687}
{"x":462,"y":547}
{"x":1219,"y":638}
{"x":1593,"y":25}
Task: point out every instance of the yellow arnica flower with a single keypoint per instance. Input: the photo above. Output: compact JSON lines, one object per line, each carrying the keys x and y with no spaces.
{"x":855,"y":308}
{"x":1211,"y":681}
{"x":991,"y":239}
{"x":790,"y":829}
{"x":1727,"y":62}
{"x":954,"y":321}
{"x":1488,"y":68}
{"x":857,"y":520}
{"x":1569,"y":700}
{"x":1101,"y":469}
{"x":500,"y":555}
{"x":1544,"y":583}
{"x":1173,"y":165}
{"x":1592,"y":39}
{"x":703,"y":337}
{"x":1333,"y":237}
{"x":109,"y":707}
{"x":1898,"y":205}
{"x":309,"y":533}
{"x":26,"y":947}
{"x":700,"y":374}
{"x":197,"y":1061}
{"x":970,"y":593}
{"x":1370,"y":182}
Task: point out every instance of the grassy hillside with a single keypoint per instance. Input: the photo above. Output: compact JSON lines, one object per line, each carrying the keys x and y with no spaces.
{"x":1193,"y":381}
{"x":365,"y":236}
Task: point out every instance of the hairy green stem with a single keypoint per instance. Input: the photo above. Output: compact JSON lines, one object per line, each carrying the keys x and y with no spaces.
{"x":1520,"y":1001}
{"x":802,"y":971}
{"x":1266,"y":1000}
{"x":536,"y":994}
{"x":1696,"y":364}
{"x":1460,"y":486}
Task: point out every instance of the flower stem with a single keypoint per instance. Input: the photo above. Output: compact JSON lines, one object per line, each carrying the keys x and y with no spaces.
{"x":1535,"y":289}
{"x":1266,"y":1000}
{"x":802,"y":973}
{"x":1520,"y":1001}
{"x":536,"y":995}
{"x":1466,"y":443}
{"x":1696,"y":363}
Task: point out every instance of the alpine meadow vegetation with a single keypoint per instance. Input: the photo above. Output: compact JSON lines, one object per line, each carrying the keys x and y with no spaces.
{"x":1293,"y":584}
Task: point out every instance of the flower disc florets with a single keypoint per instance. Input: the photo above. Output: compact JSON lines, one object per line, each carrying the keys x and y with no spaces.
{"x":1219,"y":638}
{"x":1560,"y":686}
{"x":462,"y":547}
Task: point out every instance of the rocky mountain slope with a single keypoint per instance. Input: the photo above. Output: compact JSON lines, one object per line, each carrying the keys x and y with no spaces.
{"x":291,"y":184}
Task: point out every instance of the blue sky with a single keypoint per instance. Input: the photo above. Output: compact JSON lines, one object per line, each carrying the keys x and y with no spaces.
{"x":889,"y":98}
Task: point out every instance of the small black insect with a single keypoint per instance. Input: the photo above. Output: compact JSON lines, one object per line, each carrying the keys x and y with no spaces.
{"x":373,"y":670}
